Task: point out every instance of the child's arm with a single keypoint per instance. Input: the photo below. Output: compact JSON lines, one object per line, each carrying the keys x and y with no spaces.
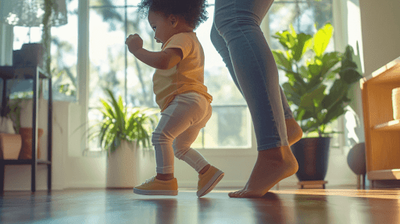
{"x":161,"y":60}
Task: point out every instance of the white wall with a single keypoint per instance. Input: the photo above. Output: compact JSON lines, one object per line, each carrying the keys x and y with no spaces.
{"x":381,"y":32}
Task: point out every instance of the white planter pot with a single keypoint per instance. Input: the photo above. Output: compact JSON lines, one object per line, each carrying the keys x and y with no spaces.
{"x":147,"y":164}
{"x":123,"y":167}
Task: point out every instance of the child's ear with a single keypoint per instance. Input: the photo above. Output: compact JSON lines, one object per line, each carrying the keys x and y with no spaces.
{"x":173,"y":20}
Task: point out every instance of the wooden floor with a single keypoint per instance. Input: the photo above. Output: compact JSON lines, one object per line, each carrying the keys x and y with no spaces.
{"x":280,"y":206}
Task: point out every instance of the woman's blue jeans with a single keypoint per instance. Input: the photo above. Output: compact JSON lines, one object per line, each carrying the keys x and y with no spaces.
{"x":237,"y":36}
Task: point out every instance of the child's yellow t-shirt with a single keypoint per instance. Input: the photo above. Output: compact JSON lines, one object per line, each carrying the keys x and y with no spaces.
{"x":186,"y":76}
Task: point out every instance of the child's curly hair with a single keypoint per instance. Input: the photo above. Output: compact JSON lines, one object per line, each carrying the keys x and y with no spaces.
{"x":193,"y":11}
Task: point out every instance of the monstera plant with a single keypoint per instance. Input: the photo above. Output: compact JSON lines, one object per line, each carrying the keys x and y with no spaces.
{"x":317,"y":89}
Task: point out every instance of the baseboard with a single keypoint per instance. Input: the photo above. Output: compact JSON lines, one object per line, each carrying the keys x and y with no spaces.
{"x":87,"y":184}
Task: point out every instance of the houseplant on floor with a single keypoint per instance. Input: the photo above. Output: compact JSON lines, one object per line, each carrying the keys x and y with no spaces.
{"x":317,"y":90}
{"x":121,"y":132}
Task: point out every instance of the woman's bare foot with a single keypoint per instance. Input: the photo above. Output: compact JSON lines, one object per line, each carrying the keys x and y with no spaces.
{"x":293,"y":130}
{"x":272,"y":166}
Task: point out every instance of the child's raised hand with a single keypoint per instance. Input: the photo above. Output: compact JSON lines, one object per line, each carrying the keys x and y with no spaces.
{"x":134,"y":43}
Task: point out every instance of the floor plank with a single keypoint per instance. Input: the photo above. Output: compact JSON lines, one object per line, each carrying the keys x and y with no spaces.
{"x":309,"y":206}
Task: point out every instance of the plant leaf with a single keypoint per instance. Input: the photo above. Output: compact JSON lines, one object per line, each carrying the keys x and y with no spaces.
{"x":311,"y":100}
{"x":322,"y":39}
{"x":304,"y":42}
{"x":281,"y":60}
{"x":120,"y":124}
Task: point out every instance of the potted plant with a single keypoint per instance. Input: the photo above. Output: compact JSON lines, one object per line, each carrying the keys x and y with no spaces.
{"x":121,"y":131}
{"x":16,"y":140}
{"x":10,"y":140}
{"x":317,"y":88}
{"x":17,"y":108}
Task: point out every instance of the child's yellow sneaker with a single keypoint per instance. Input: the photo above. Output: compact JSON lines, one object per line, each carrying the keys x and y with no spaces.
{"x":155,"y":186}
{"x":208,"y":180}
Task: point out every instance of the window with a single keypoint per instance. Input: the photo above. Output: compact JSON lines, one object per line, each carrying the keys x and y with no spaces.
{"x":63,"y":51}
{"x":303,"y":15}
{"x":113,"y":67}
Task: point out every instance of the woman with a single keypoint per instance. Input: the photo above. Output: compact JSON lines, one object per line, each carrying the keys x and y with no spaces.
{"x":237,"y":36}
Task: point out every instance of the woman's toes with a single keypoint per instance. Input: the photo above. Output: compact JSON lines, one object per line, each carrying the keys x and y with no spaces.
{"x":235,"y":194}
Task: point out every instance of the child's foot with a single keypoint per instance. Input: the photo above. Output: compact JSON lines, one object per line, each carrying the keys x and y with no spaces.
{"x":272,"y":166}
{"x":208,"y":180}
{"x":154,"y":186}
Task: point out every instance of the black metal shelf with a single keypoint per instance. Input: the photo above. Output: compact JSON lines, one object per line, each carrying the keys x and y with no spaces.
{"x":35,"y":73}
{"x":24,"y":161}
{"x":18,"y":72}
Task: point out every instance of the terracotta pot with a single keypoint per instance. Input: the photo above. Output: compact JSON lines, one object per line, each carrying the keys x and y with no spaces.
{"x":26,"y":136}
{"x":10,"y":146}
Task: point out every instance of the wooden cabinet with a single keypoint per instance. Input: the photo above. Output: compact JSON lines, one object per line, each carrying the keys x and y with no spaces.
{"x":382,"y":132}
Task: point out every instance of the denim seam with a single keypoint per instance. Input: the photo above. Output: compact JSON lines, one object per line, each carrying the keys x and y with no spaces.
{"x":269,"y":146}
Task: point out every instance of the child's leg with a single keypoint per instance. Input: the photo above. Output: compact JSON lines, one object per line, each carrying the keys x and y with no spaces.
{"x":184,"y":113}
{"x":182,"y":121}
{"x":209,"y":176}
{"x":182,"y":144}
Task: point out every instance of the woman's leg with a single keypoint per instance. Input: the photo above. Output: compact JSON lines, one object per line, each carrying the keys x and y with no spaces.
{"x":250,"y":61}
{"x":293,"y":130}
{"x":237,"y":21}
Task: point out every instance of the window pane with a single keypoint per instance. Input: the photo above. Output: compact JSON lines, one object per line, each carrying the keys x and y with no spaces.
{"x":24,"y":35}
{"x":301,"y":14}
{"x":217,"y":77}
{"x":140,"y":75}
{"x":64,"y":56}
{"x":63,"y":53}
{"x":19,"y":88}
{"x":106,"y":52}
{"x":106,"y":56}
{"x":229,"y":125}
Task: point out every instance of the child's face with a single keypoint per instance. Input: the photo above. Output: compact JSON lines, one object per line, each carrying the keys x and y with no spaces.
{"x":162,"y":26}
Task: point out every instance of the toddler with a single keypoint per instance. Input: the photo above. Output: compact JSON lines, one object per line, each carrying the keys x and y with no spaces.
{"x":178,"y":84}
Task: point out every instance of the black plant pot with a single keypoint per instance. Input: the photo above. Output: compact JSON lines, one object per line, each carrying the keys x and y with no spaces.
{"x":312,"y":154}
